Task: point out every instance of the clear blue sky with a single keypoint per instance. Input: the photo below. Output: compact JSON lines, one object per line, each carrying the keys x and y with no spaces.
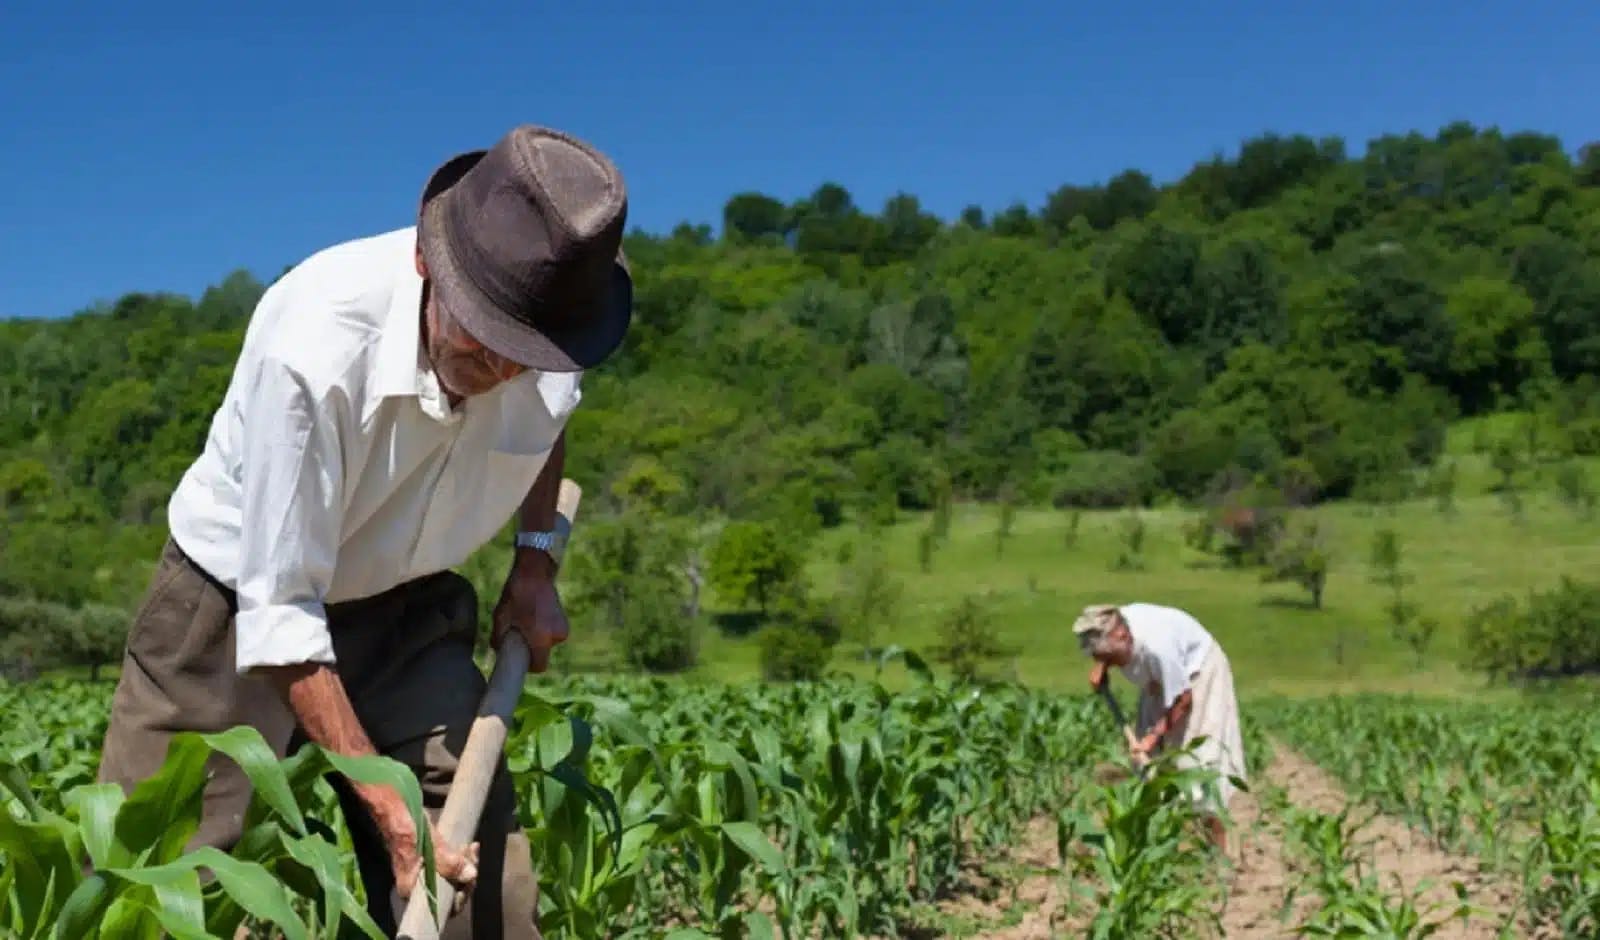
{"x":160,"y":149}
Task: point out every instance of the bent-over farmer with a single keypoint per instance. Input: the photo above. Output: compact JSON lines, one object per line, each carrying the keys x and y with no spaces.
{"x":1185,"y":686}
{"x":398,"y":400}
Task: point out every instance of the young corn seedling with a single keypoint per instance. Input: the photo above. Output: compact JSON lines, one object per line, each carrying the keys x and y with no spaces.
{"x":1144,"y":853}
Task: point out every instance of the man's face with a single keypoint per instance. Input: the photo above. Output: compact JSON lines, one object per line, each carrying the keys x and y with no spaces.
{"x":465,"y":367}
{"x":1114,"y":648}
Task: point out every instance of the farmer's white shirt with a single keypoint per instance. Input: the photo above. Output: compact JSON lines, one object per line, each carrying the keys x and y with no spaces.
{"x":335,"y":468}
{"x":1169,"y":647}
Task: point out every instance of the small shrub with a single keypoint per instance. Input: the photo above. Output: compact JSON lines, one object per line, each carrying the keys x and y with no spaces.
{"x":1576,"y":488}
{"x":1557,"y":633}
{"x":1583,"y":437}
{"x":792,"y":652}
{"x":1301,"y":559}
{"x":1506,"y":462}
{"x":1103,"y":479}
{"x":1073,"y":521}
{"x":1442,"y":487}
{"x":869,"y":594}
{"x":1242,"y":528}
{"x":1002,"y":532}
{"x":1132,"y":532}
{"x":968,"y":639}
{"x":1405,"y":620}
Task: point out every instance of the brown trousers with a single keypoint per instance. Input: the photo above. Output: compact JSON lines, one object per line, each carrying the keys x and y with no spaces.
{"x":405,"y":658}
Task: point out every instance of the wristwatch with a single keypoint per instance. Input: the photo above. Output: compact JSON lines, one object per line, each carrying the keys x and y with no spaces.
{"x":553,"y":543}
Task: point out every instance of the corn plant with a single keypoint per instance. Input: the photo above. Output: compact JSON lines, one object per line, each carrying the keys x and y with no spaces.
{"x":1351,"y":900}
{"x":114,"y":865}
{"x":1513,"y":785}
{"x":1139,"y":846}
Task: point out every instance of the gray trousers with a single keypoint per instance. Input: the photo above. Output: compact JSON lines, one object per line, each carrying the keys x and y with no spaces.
{"x":405,"y":658}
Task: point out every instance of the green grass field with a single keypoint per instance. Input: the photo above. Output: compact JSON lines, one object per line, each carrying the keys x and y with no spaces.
{"x":1277,"y":643}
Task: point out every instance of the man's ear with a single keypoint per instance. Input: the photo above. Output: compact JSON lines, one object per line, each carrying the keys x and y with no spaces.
{"x":422,"y":265}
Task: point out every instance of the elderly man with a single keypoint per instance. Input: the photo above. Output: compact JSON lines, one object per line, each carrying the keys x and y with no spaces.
{"x":1185,"y":686}
{"x":398,"y":400}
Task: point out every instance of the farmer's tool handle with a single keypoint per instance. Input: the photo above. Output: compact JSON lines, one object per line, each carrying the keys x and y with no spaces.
{"x":463,"y":805}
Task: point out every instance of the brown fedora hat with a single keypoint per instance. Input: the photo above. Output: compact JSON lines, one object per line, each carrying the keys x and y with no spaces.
{"x":524,"y":241}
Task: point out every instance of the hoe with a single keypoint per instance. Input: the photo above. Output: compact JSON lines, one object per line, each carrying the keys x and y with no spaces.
{"x":458,"y":820}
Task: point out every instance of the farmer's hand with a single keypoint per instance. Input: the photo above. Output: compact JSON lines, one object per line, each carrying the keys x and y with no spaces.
{"x":530,"y":604}
{"x":459,"y":867}
{"x":1141,"y":749}
{"x":1097,"y":675}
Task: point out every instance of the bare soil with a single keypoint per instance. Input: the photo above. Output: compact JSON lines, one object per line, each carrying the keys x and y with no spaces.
{"x":1402,"y":859}
{"x":1033,"y":902}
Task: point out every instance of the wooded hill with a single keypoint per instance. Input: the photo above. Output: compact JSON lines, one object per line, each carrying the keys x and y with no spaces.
{"x":1287,"y":316}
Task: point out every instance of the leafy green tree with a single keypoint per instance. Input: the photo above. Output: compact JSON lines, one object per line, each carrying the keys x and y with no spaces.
{"x":1301,"y":558}
{"x":636,"y":576}
{"x":1497,"y":347}
{"x":754,"y":217}
{"x":751,"y":563}
{"x":968,"y":639}
{"x":95,"y":636}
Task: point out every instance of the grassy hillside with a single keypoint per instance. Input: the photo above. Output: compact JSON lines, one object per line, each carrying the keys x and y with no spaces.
{"x":1277,"y":642}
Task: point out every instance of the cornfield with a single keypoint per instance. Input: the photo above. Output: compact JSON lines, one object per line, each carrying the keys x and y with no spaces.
{"x":841,"y":809}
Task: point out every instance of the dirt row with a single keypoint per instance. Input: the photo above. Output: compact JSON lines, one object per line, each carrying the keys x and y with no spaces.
{"x":1024,"y":896}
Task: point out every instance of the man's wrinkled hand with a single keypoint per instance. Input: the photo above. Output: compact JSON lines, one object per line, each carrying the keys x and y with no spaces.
{"x":530,"y":604}
{"x":1140,"y":749}
{"x":1097,"y":675}
{"x":457,"y":866}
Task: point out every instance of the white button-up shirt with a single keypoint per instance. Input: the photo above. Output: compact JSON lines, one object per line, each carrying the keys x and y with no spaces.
{"x":1169,"y":648}
{"x":335,"y":467}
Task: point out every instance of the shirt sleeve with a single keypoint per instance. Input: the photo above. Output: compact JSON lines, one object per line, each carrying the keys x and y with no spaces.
{"x":292,"y":483}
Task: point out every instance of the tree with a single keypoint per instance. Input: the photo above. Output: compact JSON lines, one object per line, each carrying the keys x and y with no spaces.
{"x":1002,"y":532}
{"x":751,"y":217}
{"x":636,"y":576}
{"x":869,"y":594}
{"x":968,"y":639}
{"x":95,"y":636}
{"x":1405,"y":620}
{"x":752,"y":563}
{"x":1497,"y":347}
{"x":1301,"y":558}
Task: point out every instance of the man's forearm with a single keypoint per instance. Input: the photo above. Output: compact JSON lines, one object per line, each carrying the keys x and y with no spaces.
{"x":322,"y":707}
{"x":538,"y":512}
{"x":1175,"y":714}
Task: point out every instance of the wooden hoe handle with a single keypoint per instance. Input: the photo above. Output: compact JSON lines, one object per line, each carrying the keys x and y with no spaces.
{"x":463,"y":806}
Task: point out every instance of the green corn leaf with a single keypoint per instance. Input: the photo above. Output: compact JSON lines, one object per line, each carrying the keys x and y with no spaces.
{"x":130,"y":918}
{"x":323,"y":859}
{"x":759,"y":927}
{"x":16,"y":782}
{"x":96,"y":806}
{"x":85,"y":908}
{"x":616,"y":718}
{"x":44,"y":866}
{"x":554,"y":742}
{"x":180,"y":907}
{"x":753,"y":842}
{"x":249,"y":884}
{"x":163,"y":811}
{"x":247,"y":748}
{"x":178,"y":926}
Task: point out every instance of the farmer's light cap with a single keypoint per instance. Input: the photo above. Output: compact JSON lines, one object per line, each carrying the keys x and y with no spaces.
{"x":1095,"y":619}
{"x":525,"y":242}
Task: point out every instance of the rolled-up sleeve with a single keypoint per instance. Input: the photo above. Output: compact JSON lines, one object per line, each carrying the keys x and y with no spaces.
{"x":292,"y":481}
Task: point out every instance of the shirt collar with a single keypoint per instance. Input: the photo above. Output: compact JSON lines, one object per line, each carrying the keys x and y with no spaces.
{"x":401,"y":369}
